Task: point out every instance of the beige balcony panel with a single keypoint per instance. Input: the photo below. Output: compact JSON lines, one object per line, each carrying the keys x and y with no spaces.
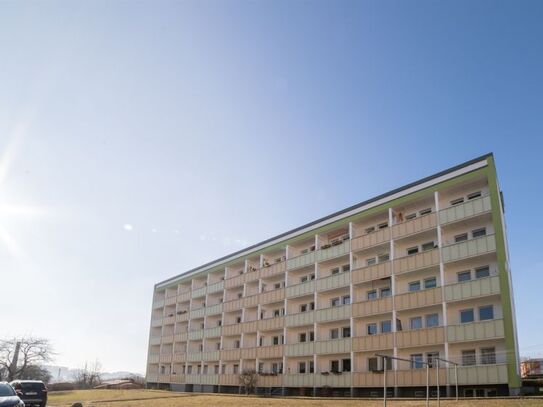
{"x":210,"y":356}
{"x":214,"y":332}
{"x":230,"y":380}
{"x":153,"y":358}
{"x":179,"y":357}
{"x":270,"y":352}
{"x":183,"y":297}
{"x":373,"y":342}
{"x":375,"y":272}
{"x":182,"y":317}
{"x":208,"y":379}
{"x":194,"y":356}
{"x":215,"y":287}
{"x":414,"y":226}
{"x":167,"y":339}
{"x":166,"y":358}
{"x":214,"y":309}
{"x":251,"y":301}
{"x":482,"y":374}
{"x":466,"y":210}
{"x":253,"y":276}
{"x":231,"y":354}
{"x":170,"y":300}
{"x":271,"y":296}
{"x":371,"y":379}
{"x":418,"y":261}
{"x":476,"y":331}
{"x":181,"y":337}
{"x":274,"y":269}
{"x":420,"y":337}
{"x":155,"y":340}
{"x":371,"y":239}
{"x":158,"y":304}
{"x":337,"y":281}
{"x":417,"y":377}
{"x":233,"y":329}
{"x":270,"y":381}
{"x":271,"y":323}
{"x":374,"y":307}
{"x":474,"y":288}
{"x":152,"y":378}
{"x":301,"y":289}
{"x":168,"y":321}
{"x":333,"y":380}
{"x":164,"y":378}
{"x":419,"y":299}
{"x":299,"y":380}
{"x":199,"y":292}
{"x":303,"y":318}
{"x":333,"y":346}
{"x":198,"y":313}
{"x":301,"y":261}
{"x":248,"y":353}
{"x":236,"y":281}
{"x":178,"y":378}
{"x":333,"y":313}
{"x":470,"y":248}
{"x":249,"y":327}
{"x":235,"y":305}
{"x":334,"y":251}
{"x":300,"y":349}
{"x":196,"y":335}
{"x":156,"y":322}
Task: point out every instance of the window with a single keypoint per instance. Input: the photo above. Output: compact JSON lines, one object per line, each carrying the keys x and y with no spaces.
{"x":311,"y":367}
{"x":334,"y":302}
{"x":416,"y":361}
{"x":383,"y":225}
{"x":303,"y":279}
{"x":189,"y":369}
{"x":432,"y":320}
{"x":430,"y":283}
{"x":386,"y":292}
{"x":301,"y":367}
{"x":334,"y":365}
{"x":260,"y":367}
{"x":414,"y":286}
{"x":311,"y":336}
{"x":276,"y":340}
{"x":223,"y":369}
{"x":335,"y":270}
{"x":461,"y":238}
{"x":372,"y":329}
{"x":372,"y":295}
{"x":431,"y":358}
{"x":383,"y":257}
{"x":474,"y":195}
{"x":236,"y":369}
{"x":411,"y":216}
{"x":346,"y":332}
{"x":334,"y":333}
{"x":370,"y":229}
{"x":312,"y":276}
{"x":486,"y":312}
{"x":218,"y":346}
{"x":373,"y":365}
{"x":425,"y":211}
{"x":276,"y":313}
{"x":275,"y":368}
{"x":415,"y":323}
{"x":464,"y":276}
{"x":468,"y":357}
{"x":412,"y":250}
{"x":312,"y":306}
{"x":303,"y":308}
{"x":428,"y":246}
{"x":346,"y":365}
{"x":478,"y":232}
{"x":482,"y":272}
{"x":371,"y":261}
{"x":346,"y":299}
{"x":488,"y":356}
{"x":216,"y":369}
{"x":236,"y":344}
{"x":205,"y":369}
{"x":238,"y":320}
{"x":277,"y":286}
{"x":457,"y":201}
{"x":302,"y":337}
{"x":386,"y":326}
{"x":346,"y":267}
{"x":466,"y":316}
{"x":261,"y":341}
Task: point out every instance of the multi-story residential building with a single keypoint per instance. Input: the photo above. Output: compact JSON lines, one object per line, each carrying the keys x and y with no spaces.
{"x":418,"y":273}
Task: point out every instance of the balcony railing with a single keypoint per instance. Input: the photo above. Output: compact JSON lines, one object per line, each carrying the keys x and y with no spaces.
{"x":155,"y":340}
{"x":273,"y":269}
{"x":153,"y":358}
{"x":298,"y":290}
{"x":333,"y":313}
{"x":413,"y":226}
{"x":199,"y":292}
{"x":476,"y":331}
{"x":373,"y":342}
{"x":481,"y":374}
{"x":300,"y":349}
{"x":420,"y":337}
{"x":332,"y":282}
{"x":215,"y":287}
{"x":373,"y":307}
{"x":209,"y":379}
{"x":417,"y":299}
{"x":333,"y":251}
{"x":374,"y":272}
{"x":365,"y":241}
{"x":465,"y":210}
{"x":334,"y":346}
{"x":469,"y":248}
{"x":301,"y":261}
{"x":473,"y":288}
{"x":418,"y":261}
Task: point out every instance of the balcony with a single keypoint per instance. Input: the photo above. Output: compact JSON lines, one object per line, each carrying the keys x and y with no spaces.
{"x":300,"y":349}
{"x":414,"y":226}
{"x":270,"y":352}
{"x":333,"y":346}
{"x":417,"y":299}
{"x":371,"y":379}
{"x":236,"y":281}
{"x":298,"y":290}
{"x":373,"y":342}
{"x":234,"y":305}
{"x":333,"y":251}
{"x":166,"y":339}
{"x":178,"y":378}
{"x":170,"y":300}
{"x":417,"y":377}
{"x":333,"y":380}
{"x":252,"y":300}
{"x":210,"y":356}
{"x":182,"y":317}
{"x":209,"y":379}
{"x":153,"y":358}
{"x":230,"y":380}
{"x":184,"y":297}
{"x":179,"y":357}
{"x":333,"y":313}
{"x":152,"y":378}
{"x":197,"y":313}
{"x":420,"y":337}
{"x":155,"y":340}
{"x":273,"y":269}
{"x":214,"y":309}
{"x":199,"y":292}
{"x":470,"y":248}
{"x":303,"y":260}
{"x":474,"y":288}
{"x":270,"y":381}
{"x":193,"y":356}
{"x":271,"y":296}
{"x":248,"y":353}
{"x":332,"y":282}
{"x":230,"y":354}
{"x":374,"y":272}
{"x":215,"y":287}
{"x":476,"y":331}
{"x":158,"y":304}
{"x":366,"y":241}
{"x":418,"y":261}
{"x":465,"y":210}
{"x":196,"y":335}
{"x":270,"y":324}
{"x":373,"y":307}
{"x":214,"y":332}
{"x":164,"y":378}
{"x":299,"y":380}
{"x":181,"y":337}
{"x":482,"y":374}
{"x":170,"y":320}
{"x":166,"y":358}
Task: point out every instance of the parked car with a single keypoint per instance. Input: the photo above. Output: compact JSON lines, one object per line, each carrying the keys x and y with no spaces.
{"x":32,"y":392}
{"x":8,"y":396}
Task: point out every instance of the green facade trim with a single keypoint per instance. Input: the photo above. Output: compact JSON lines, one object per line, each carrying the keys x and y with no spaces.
{"x":501,"y":250}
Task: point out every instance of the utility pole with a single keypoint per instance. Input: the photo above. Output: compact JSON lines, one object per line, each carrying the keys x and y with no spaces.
{"x":13,"y":366}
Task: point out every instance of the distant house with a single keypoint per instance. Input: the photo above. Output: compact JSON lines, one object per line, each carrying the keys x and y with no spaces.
{"x":123,"y":384}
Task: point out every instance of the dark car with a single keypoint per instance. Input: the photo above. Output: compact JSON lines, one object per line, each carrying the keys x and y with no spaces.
{"x":8,"y":397}
{"x":32,"y":392}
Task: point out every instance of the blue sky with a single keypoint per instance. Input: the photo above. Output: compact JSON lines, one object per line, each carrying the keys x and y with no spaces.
{"x":208,"y":126}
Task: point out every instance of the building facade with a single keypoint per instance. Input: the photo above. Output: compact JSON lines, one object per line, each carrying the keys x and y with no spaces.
{"x":419,"y":273}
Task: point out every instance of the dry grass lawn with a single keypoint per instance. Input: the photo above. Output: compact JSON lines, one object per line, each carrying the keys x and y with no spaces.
{"x":152,"y":398}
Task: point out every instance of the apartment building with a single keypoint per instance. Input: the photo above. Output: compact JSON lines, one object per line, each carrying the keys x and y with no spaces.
{"x":418,"y":273}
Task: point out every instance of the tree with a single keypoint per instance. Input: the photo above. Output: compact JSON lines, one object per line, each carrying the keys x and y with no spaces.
{"x":248,"y":379}
{"x":33,"y":372}
{"x":90,"y":376}
{"x":18,"y":354}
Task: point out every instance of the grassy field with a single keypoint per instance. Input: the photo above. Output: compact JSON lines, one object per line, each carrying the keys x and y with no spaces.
{"x":151,"y":398}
